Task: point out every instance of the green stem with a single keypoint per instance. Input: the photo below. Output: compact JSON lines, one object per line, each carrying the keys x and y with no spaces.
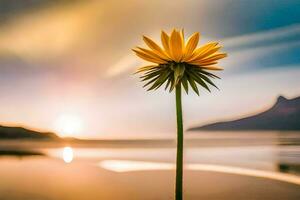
{"x":179,"y":160}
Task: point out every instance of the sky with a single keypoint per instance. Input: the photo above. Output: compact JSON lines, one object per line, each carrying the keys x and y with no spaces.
{"x":67,"y":66}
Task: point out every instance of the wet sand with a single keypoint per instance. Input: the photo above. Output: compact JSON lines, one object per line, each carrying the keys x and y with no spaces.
{"x":51,"y":179}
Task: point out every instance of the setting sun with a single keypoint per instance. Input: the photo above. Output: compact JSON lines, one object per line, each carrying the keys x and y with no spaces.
{"x":68,"y":125}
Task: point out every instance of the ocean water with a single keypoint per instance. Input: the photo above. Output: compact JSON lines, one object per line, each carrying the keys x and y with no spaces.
{"x":216,"y":166}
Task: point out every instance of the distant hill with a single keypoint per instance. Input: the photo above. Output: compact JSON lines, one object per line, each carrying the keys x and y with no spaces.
{"x":22,"y":133}
{"x":283,"y":115}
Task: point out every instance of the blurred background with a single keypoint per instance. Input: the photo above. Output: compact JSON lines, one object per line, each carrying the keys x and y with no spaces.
{"x":73,"y":59}
{"x":66,"y":72}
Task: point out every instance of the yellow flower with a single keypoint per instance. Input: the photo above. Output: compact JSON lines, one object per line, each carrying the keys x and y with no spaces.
{"x":179,"y":62}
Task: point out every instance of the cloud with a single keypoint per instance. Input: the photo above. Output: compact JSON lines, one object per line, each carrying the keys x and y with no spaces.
{"x":48,"y":33}
{"x":125,"y":64}
{"x":246,"y":58}
{"x":262,"y":38}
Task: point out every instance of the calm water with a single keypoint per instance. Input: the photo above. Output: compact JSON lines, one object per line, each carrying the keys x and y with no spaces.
{"x":217,"y":165}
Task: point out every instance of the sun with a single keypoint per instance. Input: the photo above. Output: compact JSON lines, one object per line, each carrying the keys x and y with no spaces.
{"x":68,"y":125}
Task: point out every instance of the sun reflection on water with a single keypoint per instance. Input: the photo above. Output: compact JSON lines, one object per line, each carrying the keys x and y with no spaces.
{"x":130,"y":166}
{"x":68,"y":154}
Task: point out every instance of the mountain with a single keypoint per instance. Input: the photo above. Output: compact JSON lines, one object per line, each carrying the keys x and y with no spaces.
{"x":283,"y":115}
{"x":7,"y":132}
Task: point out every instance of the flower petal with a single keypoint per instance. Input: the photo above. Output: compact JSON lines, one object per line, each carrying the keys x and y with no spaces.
{"x":182,"y":36}
{"x":148,"y":57}
{"x":207,"y":54}
{"x":155,"y":48}
{"x":203,"y":64}
{"x":213,"y":58}
{"x":212,"y":68}
{"x":191,"y":46}
{"x":165,"y":42}
{"x":176,"y":46}
{"x":201,"y":50}
{"x":150,"y":53}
